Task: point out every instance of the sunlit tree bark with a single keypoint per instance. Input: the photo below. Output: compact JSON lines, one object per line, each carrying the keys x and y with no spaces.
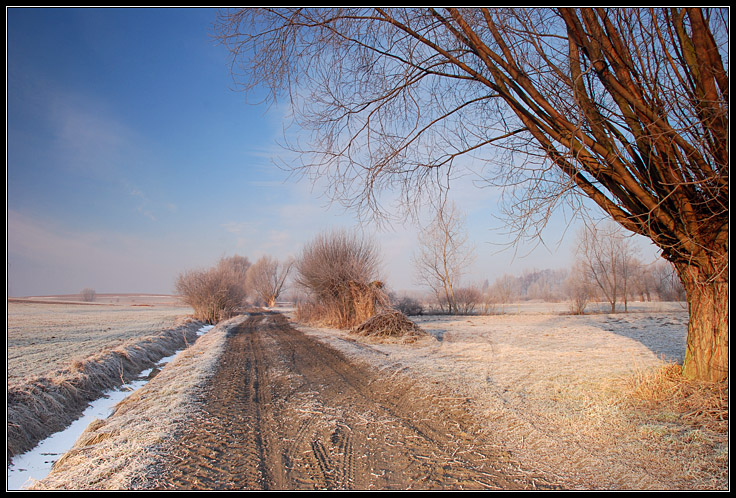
{"x":626,"y":107}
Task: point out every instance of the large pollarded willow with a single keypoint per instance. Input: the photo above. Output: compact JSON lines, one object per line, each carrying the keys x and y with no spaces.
{"x":628,"y":107}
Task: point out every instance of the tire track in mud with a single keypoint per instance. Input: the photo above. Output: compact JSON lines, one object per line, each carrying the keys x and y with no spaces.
{"x":285,"y":411}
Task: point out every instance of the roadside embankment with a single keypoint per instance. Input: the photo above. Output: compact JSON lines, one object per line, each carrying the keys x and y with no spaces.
{"x":42,"y":405}
{"x":112,"y":453}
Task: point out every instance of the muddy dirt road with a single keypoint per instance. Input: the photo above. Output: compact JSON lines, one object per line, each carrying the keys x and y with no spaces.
{"x":285,"y":411}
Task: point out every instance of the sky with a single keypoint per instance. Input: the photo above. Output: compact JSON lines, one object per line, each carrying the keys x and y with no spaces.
{"x":131,"y":158}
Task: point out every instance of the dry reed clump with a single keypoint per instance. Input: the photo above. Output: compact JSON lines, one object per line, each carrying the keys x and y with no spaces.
{"x":348,"y":305}
{"x":40,"y":406}
{"x":389,"y":326}
{"x":698,"y":403}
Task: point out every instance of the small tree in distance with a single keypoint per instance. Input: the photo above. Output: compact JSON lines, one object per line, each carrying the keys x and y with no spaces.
{"x":266,"y":278}
{"x":88,"y":295}
{"x":444,"y":254}
{"x":606,"y":258}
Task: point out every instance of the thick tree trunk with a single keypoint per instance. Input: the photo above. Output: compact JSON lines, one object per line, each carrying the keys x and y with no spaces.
{"x":706,"y":355}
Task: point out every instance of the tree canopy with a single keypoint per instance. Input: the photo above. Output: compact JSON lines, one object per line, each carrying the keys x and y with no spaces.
{"x":625,"y":106}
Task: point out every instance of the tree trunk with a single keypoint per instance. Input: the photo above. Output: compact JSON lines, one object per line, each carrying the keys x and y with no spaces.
{"x":706,"y":355}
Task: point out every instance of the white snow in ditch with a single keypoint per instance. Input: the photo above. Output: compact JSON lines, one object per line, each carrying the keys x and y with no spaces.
{"x":36,"y":463}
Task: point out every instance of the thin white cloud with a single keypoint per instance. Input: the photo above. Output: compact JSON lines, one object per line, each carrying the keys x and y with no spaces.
{"x":239,"y":227}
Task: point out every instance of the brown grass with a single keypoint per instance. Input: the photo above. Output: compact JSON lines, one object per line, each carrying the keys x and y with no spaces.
{"x":698,"y":403}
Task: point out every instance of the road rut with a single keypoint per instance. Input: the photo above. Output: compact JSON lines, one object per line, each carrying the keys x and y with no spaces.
{"x":287,"y":412}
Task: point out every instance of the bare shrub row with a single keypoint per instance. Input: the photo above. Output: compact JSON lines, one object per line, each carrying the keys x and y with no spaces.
{"x":215,"y":293}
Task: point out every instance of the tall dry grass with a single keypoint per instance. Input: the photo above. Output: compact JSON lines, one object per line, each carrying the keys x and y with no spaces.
{"x":699,"y":403}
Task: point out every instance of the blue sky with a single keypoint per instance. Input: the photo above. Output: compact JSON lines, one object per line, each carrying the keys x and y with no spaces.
{"x":130,"y":158}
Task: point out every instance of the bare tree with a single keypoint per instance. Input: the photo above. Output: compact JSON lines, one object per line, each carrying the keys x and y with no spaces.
{"x":444,"y":254}
{"x":627,"y":107}
{"x":88,"y":295}
{"x":266,"y":278}
{"x":605,"y":256}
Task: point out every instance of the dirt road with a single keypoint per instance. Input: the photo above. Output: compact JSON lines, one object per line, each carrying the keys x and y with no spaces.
{"x":285,"y":411}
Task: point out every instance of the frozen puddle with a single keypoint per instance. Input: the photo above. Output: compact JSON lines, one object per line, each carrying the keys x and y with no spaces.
{"x":36,"y":463}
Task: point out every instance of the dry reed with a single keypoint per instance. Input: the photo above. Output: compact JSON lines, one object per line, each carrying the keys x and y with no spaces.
{"x":347,"y":306}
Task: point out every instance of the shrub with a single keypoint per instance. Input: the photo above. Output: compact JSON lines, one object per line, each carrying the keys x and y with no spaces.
{"x":579,"y":291}
{"x":88,"y":295}
{"x":215,"y":293}
{"x":339,"y":271}
{"x":466,"y":299}
{"x":409,"y":306}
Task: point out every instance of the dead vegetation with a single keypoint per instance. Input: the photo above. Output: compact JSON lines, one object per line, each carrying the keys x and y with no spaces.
{"x":390,"y":325}
{"x":697,"y":403}
{"x":38,"y":406}
{"x":556,"y":389}
{"x":112,"y":454}
{"x":339,"y":272}
{"x":215,"y":293}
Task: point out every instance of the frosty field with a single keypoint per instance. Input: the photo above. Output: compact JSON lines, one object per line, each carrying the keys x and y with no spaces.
{"x":42,"y":337}
{"x":62,"y":355}
{"x":557,"y":392}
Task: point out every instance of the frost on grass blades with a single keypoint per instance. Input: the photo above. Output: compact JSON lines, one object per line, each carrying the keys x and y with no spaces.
{"x":36,"y":463}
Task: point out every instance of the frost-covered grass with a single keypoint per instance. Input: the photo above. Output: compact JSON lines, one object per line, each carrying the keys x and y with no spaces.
{"x":43,"y":337}
{"x":114,"y":453}
{"x":63,"y":356}
{"x":561,"y":393}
